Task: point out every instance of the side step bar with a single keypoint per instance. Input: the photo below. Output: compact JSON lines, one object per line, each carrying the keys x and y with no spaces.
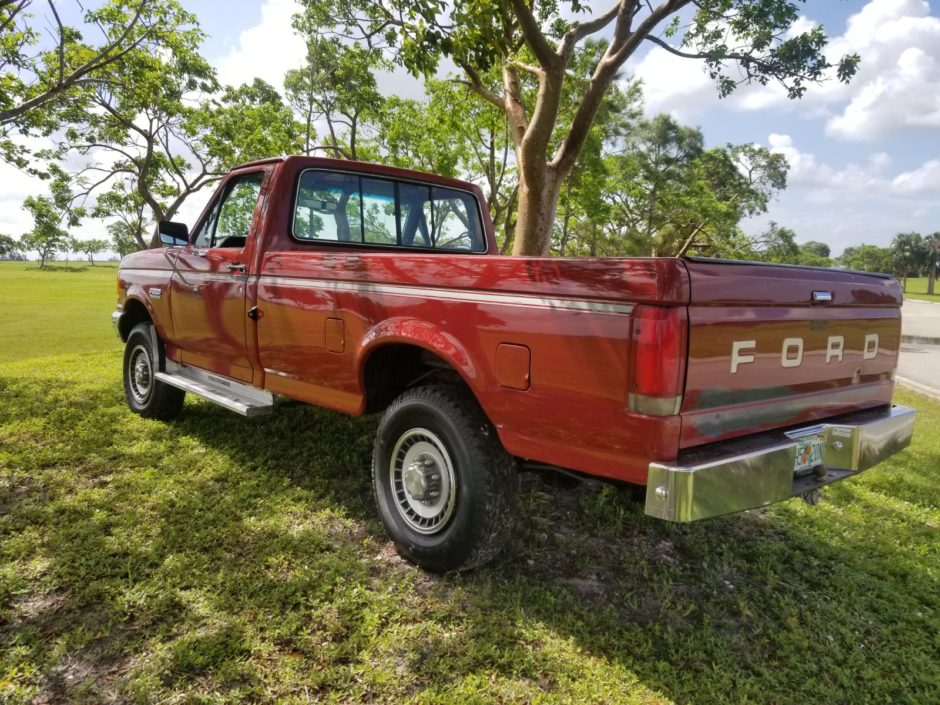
{"x":241,"y":398}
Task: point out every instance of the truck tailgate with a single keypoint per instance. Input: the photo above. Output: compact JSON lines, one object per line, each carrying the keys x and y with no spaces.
{"x":772,"y":346}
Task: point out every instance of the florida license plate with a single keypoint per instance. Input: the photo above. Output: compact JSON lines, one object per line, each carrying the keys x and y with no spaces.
{"x":809,"y":453}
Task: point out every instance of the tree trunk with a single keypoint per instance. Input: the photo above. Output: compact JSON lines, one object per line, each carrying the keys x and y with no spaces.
{"x":931,"y":276}
{"x":539,"y":189}
{"x":566,"y":223}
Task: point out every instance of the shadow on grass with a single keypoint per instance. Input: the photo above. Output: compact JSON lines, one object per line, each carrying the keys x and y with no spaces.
{"x":218,"y":557}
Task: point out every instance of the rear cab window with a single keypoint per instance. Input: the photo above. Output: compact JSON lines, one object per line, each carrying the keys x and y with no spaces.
{"x":341,"y":207}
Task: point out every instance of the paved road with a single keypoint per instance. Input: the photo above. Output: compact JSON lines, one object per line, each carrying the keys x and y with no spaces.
{"x":919,"y":368}
{"x":919,"y":363}
{"x":921,"y":319}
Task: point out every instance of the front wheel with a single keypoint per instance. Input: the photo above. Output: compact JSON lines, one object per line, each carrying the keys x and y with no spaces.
{"x":444,"y":485}
{"x":145,"y":394}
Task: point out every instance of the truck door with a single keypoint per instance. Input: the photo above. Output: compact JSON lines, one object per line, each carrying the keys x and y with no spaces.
{"x":207,"y":299}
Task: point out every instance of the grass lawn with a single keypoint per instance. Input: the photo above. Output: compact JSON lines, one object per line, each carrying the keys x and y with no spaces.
{"x":220,"y":560}
{"x":917,"y":289}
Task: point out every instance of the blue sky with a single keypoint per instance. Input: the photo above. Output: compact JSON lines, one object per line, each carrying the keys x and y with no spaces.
{"x":865,"y":158}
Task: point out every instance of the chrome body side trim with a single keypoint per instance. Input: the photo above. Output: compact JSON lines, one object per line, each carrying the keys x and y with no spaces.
{"x":748,"y":473}
{"x":462,"y":295}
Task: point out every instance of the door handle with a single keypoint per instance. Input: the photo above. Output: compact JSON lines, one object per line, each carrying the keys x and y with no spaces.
{"x":234,"y":267}
{"x":200,"y":253}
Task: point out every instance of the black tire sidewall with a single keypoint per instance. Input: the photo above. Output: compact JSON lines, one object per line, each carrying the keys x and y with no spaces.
{"x":442,"y":550}
{"x":140,"y":336}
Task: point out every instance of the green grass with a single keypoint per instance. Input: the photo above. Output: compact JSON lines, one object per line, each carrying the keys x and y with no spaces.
{"x":56,"y":310}
{"x":917,"y":289}
{"x":219,"y":560}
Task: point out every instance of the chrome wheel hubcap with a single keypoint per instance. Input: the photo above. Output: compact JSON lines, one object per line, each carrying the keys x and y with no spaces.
{"x":140,"y":374}
{"x":422,"y":479}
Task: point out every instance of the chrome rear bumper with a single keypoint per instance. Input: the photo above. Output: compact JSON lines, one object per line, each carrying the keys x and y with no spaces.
{"x":759,"y":470}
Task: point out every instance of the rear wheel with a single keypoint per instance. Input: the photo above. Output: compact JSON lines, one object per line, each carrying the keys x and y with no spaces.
{"x":444,"y":485}
{"x":145,"y":394}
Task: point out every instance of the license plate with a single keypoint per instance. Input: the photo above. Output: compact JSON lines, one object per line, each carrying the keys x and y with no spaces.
{"x":809,"y":453}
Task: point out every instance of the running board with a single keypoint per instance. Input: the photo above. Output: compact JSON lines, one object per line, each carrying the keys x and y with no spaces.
{"x":235,"y":396}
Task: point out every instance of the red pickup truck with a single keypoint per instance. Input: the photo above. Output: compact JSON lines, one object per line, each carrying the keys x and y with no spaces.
{"x":720,"y":386}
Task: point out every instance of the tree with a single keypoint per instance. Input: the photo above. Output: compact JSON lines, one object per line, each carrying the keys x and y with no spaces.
{"x":9,"y":247}
{"x":46,"y":237}
{"x":669,"y":196}
{"x":39,"y":85}
{"x":130,"y":218}
{"x":91,"y":248}
{"x":932,"y":249}
{"x":336,"y":85}
{"x":452,"y":134}
{"x":819,"y":249}
{"x":522,"y":39}
{"x":776,"y":244}
{"x":123,"y":238}
{"x":153,"y":131}
{"x":909,"y":255}
{"x":866,"y":258}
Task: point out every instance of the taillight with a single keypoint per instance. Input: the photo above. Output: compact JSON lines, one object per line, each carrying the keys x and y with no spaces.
{"x":659,"y":355}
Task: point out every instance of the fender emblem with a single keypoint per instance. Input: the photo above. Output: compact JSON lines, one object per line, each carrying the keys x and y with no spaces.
{"x":155,"y":293}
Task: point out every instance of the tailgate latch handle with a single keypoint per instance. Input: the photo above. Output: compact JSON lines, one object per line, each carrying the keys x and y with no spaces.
{"x":822,"y":297}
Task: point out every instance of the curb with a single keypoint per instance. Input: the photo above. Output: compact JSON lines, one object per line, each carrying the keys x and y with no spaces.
{"x":918,"y":387}
{"x":920,"y":339}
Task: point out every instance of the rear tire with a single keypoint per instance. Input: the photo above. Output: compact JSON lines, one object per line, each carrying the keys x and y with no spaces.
{"x":143,"y":358}
{"x":444,"y":485}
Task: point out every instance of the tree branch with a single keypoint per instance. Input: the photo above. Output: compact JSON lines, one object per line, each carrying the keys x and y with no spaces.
{"x":620,"y":49}
{"x":534,"y":37}
{"x":102,"y":58}
{"x":584,"y":29}
{"x":476,"y":85}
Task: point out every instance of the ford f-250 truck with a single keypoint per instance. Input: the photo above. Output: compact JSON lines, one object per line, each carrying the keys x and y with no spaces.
{"x":720,"y":386}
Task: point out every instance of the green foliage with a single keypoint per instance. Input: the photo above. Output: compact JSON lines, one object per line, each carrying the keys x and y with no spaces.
{"x":243,"y":124}
{"x":225,"y":560}
{"x":932,"y":256}
{"x":337,"y":85}
{"x":91,"y":248}
{"x":752,"y":35}
{"x":909,"y":255}
{"x":9,"y":247}
{"x":867,"y":258}
{"x":42,"y":88}
{"x":662,"y":193}
{"x":820,"y":249}
{"x":47,"y":236}
{"x":161,"y":128}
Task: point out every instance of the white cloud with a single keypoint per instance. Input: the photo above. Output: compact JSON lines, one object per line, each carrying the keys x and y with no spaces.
{"x":266,"y":50}
{"x":924,"y":179}
{"x":896,"y":90}
{"x":674,"y":85}
{"x":843,"y":205}
{"x":867,"y":181}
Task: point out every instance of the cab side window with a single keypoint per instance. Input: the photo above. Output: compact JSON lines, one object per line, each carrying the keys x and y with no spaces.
{"x":229,"y":222}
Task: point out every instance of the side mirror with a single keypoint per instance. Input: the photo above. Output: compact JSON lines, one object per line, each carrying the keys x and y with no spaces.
{"x":173,"y":234}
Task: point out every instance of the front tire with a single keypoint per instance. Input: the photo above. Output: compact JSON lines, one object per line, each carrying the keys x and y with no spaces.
{"x":145,"y":394}
{"x":444,"y":485}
